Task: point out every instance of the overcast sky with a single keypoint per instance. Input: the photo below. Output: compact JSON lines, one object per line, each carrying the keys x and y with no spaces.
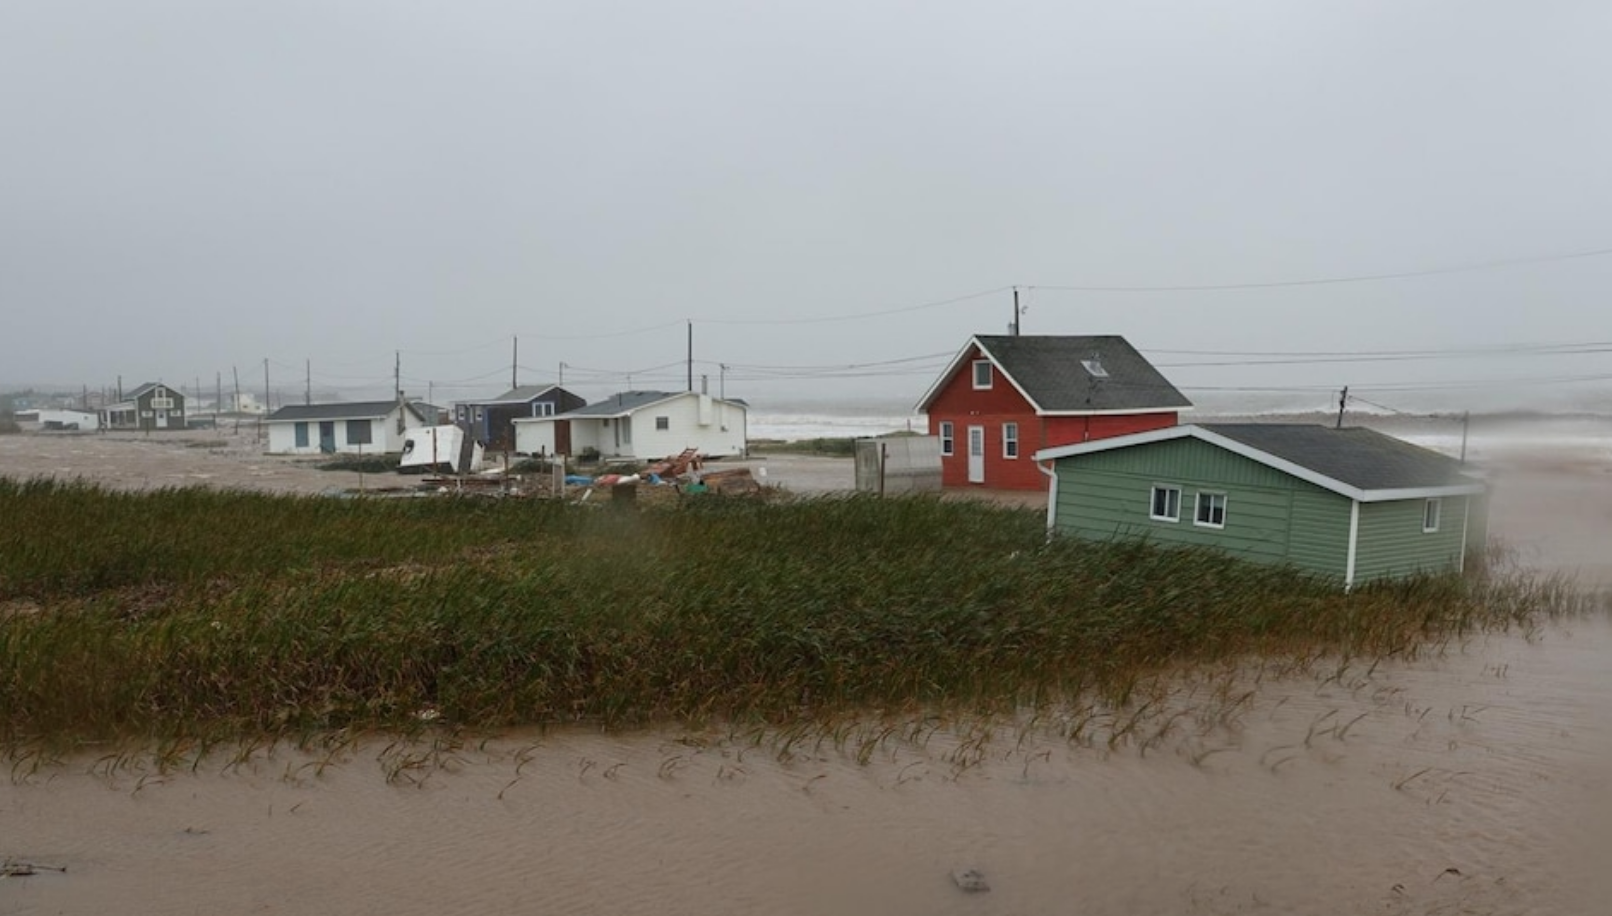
{"x":187,"y":187}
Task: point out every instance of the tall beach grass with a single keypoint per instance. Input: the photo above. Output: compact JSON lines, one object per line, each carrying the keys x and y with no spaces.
{"x":226,"y":615}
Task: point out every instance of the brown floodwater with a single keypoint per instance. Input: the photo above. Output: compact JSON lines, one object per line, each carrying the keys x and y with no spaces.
{"x":1470,"y":782}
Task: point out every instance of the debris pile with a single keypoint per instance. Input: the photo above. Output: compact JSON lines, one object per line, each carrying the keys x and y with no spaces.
{"x":666,"y":480}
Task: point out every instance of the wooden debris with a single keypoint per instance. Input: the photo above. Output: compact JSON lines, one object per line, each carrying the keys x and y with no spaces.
{"x":970,"y":881}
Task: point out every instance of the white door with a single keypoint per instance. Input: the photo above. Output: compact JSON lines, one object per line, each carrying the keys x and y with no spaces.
{"x":976,"y":454}
{"x":162,"y":419}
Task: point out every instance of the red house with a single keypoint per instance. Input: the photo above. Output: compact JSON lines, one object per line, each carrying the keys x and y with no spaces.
{"x":1005,"y":398}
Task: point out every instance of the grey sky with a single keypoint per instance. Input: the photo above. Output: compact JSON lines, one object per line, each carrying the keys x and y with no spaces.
{"x":190,"y":186}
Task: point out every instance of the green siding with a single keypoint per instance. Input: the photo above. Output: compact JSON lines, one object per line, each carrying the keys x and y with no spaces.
{"x":1320,"y":539}
{"x":1270,"y":516}
{"x":1392,"y":542}
{"x":1186,"y":459}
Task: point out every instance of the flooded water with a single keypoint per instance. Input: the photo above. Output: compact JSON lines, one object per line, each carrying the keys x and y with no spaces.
{"x":1469,"y":783}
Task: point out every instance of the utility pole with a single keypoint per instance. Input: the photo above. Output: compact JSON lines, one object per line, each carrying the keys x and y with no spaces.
{"x":1015,"y":325}
{"x":1343,"y":401}
{"x":86,"y":397}
{"x":307,"y":381}
{"x":120,"y":389}
{"x":722,"y":381}
{"x":562,"y":373}
{"x":267,"y":397}
{"x":235,"y":371}
{"x":514,"y":362}
{"x":218,"y":396}
{"x":397,"y":375}
{"x":691,"y":356}
{"x":1466,"y":425}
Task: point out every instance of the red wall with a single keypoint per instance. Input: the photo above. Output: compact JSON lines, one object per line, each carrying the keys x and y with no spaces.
{"x":958,"y":402}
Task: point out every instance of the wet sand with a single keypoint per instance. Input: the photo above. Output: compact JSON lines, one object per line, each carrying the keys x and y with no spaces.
{"x":1464,"y":784}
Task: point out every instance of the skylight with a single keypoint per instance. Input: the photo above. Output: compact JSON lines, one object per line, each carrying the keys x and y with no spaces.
{"x":1094,"y":368}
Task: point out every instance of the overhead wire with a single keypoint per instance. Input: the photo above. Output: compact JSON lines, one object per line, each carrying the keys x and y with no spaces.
{"x":1330,"y":280}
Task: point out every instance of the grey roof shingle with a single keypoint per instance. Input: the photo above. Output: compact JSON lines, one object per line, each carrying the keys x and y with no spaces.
{"x":1361,"y":458}
{"x":1051,"y":371}
{"x":621,"y":403}
{"x":518,"y":395}
{"x":350,"y":410}
{"x":148,"y":386}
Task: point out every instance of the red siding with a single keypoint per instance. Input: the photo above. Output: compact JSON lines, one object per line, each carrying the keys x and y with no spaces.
{"x":958,"y":402}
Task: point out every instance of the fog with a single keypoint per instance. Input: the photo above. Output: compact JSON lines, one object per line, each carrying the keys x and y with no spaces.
{"x":191,"y":187}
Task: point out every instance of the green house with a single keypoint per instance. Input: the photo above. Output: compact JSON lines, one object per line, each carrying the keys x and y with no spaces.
{"x":1352,"y":503}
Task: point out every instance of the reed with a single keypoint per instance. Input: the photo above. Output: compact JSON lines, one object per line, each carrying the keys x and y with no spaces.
{"x":197,"y":615}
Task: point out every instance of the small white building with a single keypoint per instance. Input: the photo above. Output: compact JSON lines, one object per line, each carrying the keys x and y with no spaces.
{"x":639,"y":425}
{"x":66,"y":419}
{"x":372,"y":427}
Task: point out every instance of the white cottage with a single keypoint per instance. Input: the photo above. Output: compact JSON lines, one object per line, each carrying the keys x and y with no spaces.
{"x":373,"y":427}
{"x":639,"y":425}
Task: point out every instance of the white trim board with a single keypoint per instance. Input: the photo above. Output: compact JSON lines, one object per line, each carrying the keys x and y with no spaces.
{"x":1354,"y":543}
{"x":1254,"y":454}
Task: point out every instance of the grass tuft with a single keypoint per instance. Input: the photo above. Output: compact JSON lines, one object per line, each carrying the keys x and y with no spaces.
{"x":193,"y":616}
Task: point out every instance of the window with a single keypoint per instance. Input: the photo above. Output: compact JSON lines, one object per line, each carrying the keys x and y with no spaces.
{"x":359,"y":432}
{"x":1430,"y":515}
{"x":543,"y":409}
{"x":1211,"y":510}
{"x":948,"y":438}
{"x":1166,"y":504}
{"x":302,"y":435}
{"x":1010,"y":440}
{"x":982,"y":374}
{"x":663,"y":423}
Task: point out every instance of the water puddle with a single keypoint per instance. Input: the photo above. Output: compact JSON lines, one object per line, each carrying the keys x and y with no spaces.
{"x":1467,"y":783}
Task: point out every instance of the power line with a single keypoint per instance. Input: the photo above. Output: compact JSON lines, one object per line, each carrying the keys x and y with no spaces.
{"x":1406,"y":357}
{"x":1488,"y":349}
{"x":1326,"y":281}
{"x":858,"y":316}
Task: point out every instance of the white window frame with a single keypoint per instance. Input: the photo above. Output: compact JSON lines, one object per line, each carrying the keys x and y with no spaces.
{"x":990,"y":374}
{"x":1435,"y":508}
{"x":1153,"y":500}
{"x":1010,"y":443}
{"x":543,"y":408}
{"x":1197,"y":509}
{"x":948,"y":439}
{"x":367,"y":427}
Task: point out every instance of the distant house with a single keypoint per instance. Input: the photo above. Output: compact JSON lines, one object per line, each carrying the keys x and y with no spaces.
{"x":1351,"y":504}
{"x":492,"y":422}
{"x":1002,"y":398}
{"x":639,"y":425}
{"x":358,"y":426}
{"x":148,"y":407}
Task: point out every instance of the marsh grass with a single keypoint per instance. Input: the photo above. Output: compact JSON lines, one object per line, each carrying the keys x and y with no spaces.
{"x":190,"y":617}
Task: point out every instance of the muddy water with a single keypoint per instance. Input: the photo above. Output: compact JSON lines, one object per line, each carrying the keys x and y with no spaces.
{"x":1468,"y":783}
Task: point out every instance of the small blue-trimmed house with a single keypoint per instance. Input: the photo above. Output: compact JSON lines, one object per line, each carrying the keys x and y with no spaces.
{"x":1351,"y":504}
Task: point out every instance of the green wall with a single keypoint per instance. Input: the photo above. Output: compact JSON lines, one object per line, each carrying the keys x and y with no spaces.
{"x":1392,"y":542}
{"x":1270,"y":516}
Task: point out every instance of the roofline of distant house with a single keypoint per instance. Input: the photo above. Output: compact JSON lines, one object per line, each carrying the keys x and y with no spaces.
{"x":497,"y":402}
{"x":572,"y":414}
{"x":1263,"y":457}
{"x":974,"y":341}
{"x":271,"y":418}
{"x":940,"y":381}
